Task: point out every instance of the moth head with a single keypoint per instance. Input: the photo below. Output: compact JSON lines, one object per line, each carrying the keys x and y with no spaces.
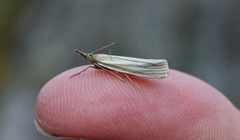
{"x":83,"y":54}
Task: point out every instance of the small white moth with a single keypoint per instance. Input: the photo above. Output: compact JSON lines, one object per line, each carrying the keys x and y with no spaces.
{"x":149,"y":68}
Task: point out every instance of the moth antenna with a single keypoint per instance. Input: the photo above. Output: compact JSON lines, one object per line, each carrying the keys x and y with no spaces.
{"x":102,"y":48}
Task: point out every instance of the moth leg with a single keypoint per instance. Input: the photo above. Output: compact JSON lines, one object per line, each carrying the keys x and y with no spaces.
{"x":114,"y":74}
{"x":110,"y":53}
{"x":110,"y":72}
{"x":131,"y":81}
{"x":82,"y":71}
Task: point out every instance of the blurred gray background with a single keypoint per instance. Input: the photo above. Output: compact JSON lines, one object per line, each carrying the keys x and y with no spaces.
{"x":37,"y":39}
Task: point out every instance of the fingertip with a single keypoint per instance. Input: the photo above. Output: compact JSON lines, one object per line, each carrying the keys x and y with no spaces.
{"x":97,"y":105}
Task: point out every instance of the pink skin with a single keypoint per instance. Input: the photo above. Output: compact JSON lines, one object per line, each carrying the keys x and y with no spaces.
{"x":97,"y":105}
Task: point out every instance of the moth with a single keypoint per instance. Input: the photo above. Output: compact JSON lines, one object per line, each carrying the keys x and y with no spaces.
{"x":149,"y":68}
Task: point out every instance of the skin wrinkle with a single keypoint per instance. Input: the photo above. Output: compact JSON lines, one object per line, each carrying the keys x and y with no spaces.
{"x":90,"y":105}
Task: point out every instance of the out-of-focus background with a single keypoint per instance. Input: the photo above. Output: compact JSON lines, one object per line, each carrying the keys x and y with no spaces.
{"x":37,"y":39}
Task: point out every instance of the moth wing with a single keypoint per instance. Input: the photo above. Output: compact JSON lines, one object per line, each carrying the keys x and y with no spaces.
{"x":150,"y":68}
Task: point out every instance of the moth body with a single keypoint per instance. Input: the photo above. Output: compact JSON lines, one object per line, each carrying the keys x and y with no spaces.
{"x":150,"y":68}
